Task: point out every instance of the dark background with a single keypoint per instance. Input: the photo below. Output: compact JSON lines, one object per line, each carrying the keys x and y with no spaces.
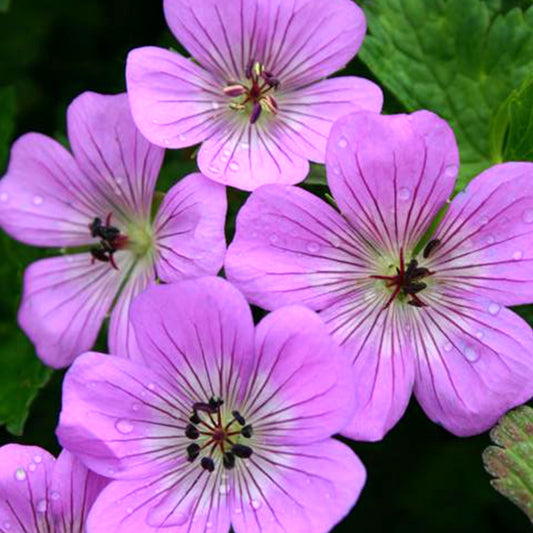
{"x":420,"y":478}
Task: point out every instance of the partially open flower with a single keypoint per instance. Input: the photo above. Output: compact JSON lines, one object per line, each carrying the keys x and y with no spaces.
{"x":97,"y":205}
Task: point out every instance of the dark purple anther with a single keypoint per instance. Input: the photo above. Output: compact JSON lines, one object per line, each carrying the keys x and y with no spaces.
{"x":256,"y":113}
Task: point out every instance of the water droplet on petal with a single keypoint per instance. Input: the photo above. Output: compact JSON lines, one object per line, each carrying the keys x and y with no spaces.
{"x":490,"y":239}
{"x":54,"y":495}
{"x":215,"y":105}
{"x":234,"y":166}
{"x":273,"y":238}
{"x":166,"y":142}
{"x":32,"y":467}
{"x":151,"y":386}
{"x":479,"y":334}
{"x":448,"y":347}
{"x":256,"y":504}
{"x":20,"y":474}
{"x":518,"y":255}
{"x":223,"y":158}
{"x":404,"y":193}
{"x":451,"y":171}
{"x":214,"y":169}
{"x":4,"y":197}
{"x":527,"y":216}
{"x":182,"y":137}
{"x":37,"y":200}
{"x":471,"y":354}
{"x":209,"y":525}
{"x":494,"y":308}
{"x":343,"y":143}
{"x":124,"y":427}
{"x":484,"y":221}
{"x":7,"y":525}
{"x":42,"y":505}
{"x":38,"y":459}
{"x":135,"y":407}
{"x":313,"y":247}
{"x":224,"y":488}
{"x":129,"y":510}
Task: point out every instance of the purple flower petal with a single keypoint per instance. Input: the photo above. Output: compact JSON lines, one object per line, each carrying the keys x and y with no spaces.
{"x":25,"y":473}
{"x":120,"y":165}
{"x":306,"y":115}
{"x":215,"y":326}
{"x":41,"y":196}
{"x":73,"y":490}
{"x":189,"y":229}
{"x":300,"y":382}
{"x":292,"y":247}
{"x":64,"y":302}
{"x":486,"y":236}
{"x":313,"y":487}
{"x":247,"y":156}
{"x":390,"y":175}
{"x":375,"y":340}
{"x":475,"y":361}
{"x":174,"y":102}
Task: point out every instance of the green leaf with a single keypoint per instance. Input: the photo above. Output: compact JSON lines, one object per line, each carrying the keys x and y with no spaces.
{"x":7,"y":121}
{"x":457,"y":58}
{"x":4,"y":5}
{"x":317,"y":175}
{"x":512,"y":126}
{"x":511,"y":461}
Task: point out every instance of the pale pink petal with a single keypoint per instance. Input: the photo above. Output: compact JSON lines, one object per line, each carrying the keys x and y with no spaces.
{"x":376,"y":341}
{"x":64,"y":303}
{"x":25,"y":474}
{"x":189,"y":229}
{"x":120,"y":165}
{"x":311,"y":489}
{"x":121,"y":335}
{"x":390,"y":175}
{"x":487,"y":236}
{"x":73,"y":491}
{"x":222,"y":36}
{"x":292,"y":247}
{"x":301,"y":386}
{"x":247,"y":156}
{"x":306,"y":115}
{"x":178,"y":501}
{"x":122,"y":419}
{"x":42,"y":201}
{"x":175,"y":103}
{"x":475,"y":361}
{"x":200,"y":330}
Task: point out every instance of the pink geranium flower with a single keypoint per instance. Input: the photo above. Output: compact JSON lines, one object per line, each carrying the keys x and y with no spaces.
{"x":427,"y":315}
{"x":99,"y":203}
{"x":221,"y":425}
{"x":39,"y":494}
{"x":256,"y":99}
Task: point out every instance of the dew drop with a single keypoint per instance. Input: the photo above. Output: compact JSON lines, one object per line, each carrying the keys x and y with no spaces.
{"x":124,"y":427}
{"x":245,"y":146}
{"x":256,"y":504}
{"x":38,"y":459}
{"x":166,"y":142}
{"x":151,"y":386}
{"x":484,"y":221}
{"x":214,"y":169}
{"x":215,"y":105}
{"x":32,"y":467}
{"x":490,"y":239}
{"x":42,"y":505}
{"x":479,"y":335}
{"x":224,"y":488}
{"x":135,"y":407}
{"x":7,"y":525}
{"x":273,"y":238}
{"x":182,"y":137}
{"x":404,"y":193}
{"x":518,"y":255}
{"x":209,"y":525}
{"x":238,"y":510}
{"x":129,"y":510}
{"x":4,"y":197}
{"x":223,"y":158}
{"x":471,"y":354}
{"x":451,"y":171}
{"x":37,"y":200}
{"x":234,"y":166}
{"x":336,"y":170}
{"x":20,"y":474}
{"x":527,"y":216}
{"x":54,"y":495}
{"x":343,"y":143}
{"x":313,"y":247}
{"x":494,"y":308}
{"x":448,"y":347}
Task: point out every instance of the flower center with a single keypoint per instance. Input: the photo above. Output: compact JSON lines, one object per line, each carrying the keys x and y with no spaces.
{"x":254,"y":97}
{"x":407,"y":282}
{"x":216,"y":436}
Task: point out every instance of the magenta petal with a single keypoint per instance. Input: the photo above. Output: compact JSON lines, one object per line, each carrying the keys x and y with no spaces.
{"x":41,"y":196}
{"x":119,"y":417}
{"x":487,"y":236}
{"x":121,"y":335}
{"x":291,"y":247}
{"x":174,"y":102}
{"x":73,"y":491}
{"x":203,"y":320}
{"x":247,"y":156}
{"x":300,"y":382}
{"x":313,"y":487}
{"x":375,"y":340}
{"x":120,"y":165}
{"x":306,"y":115}
{"x":189,"y":229}
{"x":475,"y":361}
{"x":167,"y":503}
{"x":390,"y":175}
{"x":64,"y":302}
{"x":25,"y":474}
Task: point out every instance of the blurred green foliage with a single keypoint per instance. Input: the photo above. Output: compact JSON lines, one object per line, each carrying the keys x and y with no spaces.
{"x":459,"y":58}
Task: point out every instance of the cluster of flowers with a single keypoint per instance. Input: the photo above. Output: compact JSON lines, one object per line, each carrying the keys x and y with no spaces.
{"x":201,"y":420}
